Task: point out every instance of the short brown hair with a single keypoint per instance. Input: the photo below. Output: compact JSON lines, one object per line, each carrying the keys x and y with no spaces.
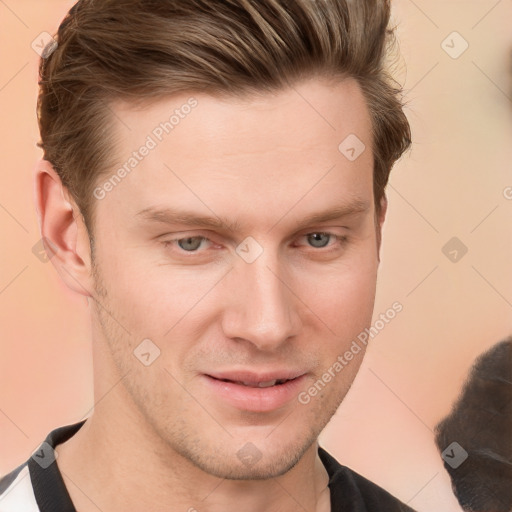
{"x":144,"y":50}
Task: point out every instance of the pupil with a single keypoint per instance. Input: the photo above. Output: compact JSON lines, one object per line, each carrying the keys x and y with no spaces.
{"x":314,"y":238}
{"x":183,"y":243}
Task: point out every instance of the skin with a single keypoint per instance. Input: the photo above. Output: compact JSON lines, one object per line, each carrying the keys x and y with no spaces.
{"x":159,"y":435}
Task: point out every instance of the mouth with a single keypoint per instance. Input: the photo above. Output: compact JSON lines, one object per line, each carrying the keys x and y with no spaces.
{"x":266,"y":384}
{"x":255,"y":392}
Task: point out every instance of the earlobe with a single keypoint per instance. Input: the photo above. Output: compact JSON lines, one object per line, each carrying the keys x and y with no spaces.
{"x":63,"y":232}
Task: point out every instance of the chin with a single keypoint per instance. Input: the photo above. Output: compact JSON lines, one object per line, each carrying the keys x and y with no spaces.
{"x":258,"y":461}
{"x":245,"y":471}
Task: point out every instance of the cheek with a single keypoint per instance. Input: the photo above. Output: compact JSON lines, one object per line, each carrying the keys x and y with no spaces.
{"x":155,"y":299}
{"x":152,"y":298}
{"x":343,"y":297}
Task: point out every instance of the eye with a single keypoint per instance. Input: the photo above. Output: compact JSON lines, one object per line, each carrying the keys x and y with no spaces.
{"x":190,"y":244}
{"x":319,"y":240}
{"x":316,"y":238}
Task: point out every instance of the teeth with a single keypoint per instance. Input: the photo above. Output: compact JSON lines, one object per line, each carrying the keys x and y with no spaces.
{"x":260,"y":384}
{"x":267,"y":384}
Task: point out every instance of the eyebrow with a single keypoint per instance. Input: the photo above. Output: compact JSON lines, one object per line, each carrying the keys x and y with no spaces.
{"x":169,"y":215}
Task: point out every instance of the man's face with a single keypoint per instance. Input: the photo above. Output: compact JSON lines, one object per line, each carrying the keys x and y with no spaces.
{"x":272,"y":296}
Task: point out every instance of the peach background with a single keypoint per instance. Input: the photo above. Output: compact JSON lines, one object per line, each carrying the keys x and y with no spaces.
{"x":452,"y":183}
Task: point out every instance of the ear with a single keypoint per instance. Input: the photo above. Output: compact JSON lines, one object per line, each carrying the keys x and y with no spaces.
{"x":63,"y":230}
{"x":380,"y":222}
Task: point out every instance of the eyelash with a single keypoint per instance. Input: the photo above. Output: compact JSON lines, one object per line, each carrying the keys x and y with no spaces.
{"x":342,"y":240}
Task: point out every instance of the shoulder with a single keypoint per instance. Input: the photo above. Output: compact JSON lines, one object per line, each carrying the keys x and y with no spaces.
{"x":16,"y":491}
{"x":352,"y":491}
{"x":37,"y":484}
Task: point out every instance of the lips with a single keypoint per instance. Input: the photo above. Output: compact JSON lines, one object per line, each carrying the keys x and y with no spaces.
{"x":259,"y":392}
{"x":266,"y":384}
{"x":258,"y":379}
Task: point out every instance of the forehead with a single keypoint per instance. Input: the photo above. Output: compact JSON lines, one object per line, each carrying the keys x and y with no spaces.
{"x":310,"y":110}
{"x":244,"y":153}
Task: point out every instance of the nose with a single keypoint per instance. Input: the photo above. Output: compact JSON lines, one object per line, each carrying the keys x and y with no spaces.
{"x":262,"y":303}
